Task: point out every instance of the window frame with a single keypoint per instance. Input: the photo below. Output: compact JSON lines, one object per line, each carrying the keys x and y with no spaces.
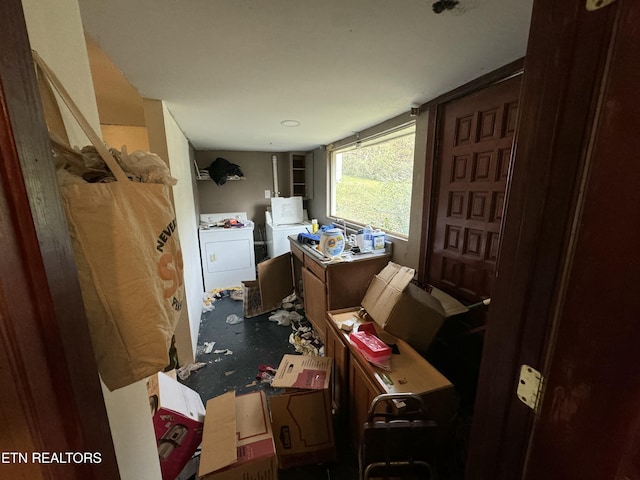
{"x":369,"y":141}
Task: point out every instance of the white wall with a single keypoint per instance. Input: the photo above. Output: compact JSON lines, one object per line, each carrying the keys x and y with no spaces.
{"x":184,"y":194}
{"x":55,"y":31}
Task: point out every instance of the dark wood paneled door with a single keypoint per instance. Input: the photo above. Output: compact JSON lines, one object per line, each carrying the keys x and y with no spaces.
{"x":475,"y":145}
{"x":565,"y":300}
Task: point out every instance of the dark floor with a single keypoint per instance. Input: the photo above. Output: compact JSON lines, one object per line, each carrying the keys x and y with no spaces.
{"x":255,"y":342}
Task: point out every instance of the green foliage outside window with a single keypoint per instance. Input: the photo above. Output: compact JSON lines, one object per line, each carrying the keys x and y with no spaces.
{"x":374,"y":185}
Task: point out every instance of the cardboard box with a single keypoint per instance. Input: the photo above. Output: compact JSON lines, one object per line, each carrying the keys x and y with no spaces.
{"x":405,"y":310}
{"x":178,"y":417}
{"x":301,"y":417}
{"x":287,"y":211}
{"x":237,"y":440}
{"x":261,"y":296}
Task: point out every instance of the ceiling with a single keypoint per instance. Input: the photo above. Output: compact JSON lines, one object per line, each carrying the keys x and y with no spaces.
{"x":230,"y":71}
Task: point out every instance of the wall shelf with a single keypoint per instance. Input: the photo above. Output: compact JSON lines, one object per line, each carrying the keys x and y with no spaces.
{"x":203,"y":175}
{"x":301,"y":174}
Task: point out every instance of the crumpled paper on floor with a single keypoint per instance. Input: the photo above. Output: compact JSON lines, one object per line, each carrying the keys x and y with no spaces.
{"x":284,"y":317}
{"x":185,"y":371}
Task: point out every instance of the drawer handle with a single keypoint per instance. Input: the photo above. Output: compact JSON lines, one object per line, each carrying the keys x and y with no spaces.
{"x":212,"y":257}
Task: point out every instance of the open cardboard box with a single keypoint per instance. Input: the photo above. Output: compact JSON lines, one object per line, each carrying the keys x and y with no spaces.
{"x":237,"y":441}
{"x":178,"y":415}
{"x":301,"y":417}
{"x":275,"y":282}
{"x":405,"y":310}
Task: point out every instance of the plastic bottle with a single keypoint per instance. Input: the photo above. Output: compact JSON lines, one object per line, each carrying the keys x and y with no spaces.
{"x":368,"y":238}
{"x":377,"y":241}
{"x":314,"y":225}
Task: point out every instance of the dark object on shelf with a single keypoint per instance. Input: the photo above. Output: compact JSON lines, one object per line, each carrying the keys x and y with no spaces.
{"x":220,"y":169}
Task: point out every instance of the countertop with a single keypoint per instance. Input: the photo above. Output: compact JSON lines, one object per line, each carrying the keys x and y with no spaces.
{"x":345,"y":256}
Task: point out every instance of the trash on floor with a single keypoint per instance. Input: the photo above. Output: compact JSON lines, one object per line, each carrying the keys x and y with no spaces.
{"x":284,"y":317}
{"x":211,"y":296}
{"x":290,"y":299}
{"x":233,"y":319}
{"x":265,"y":377}
{"x":305,"y":340}
{"x":208,"y":347}
{"x":225,"y":351}
{"x":185,"y":371}
{"x":268,"y":369}
{"x":207,"y":302}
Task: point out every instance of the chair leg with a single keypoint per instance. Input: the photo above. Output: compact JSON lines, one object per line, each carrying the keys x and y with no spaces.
{"x":384,"y":469}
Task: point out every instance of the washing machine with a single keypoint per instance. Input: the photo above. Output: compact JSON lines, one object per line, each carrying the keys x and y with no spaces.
{"x":226,"y":248}
{"x":277,"y":235}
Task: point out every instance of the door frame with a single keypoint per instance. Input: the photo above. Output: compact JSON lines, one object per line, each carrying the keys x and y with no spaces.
{"x":52,"y":396}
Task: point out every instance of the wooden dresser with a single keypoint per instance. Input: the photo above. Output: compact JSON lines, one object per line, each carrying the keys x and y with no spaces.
{"x":356,"y":382}
{"x":331,"y":285}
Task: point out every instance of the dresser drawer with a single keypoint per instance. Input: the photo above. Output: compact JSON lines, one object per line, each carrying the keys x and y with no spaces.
{"x":317,"y":269}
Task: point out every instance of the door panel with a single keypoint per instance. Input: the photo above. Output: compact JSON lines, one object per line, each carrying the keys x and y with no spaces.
{"x":336,"y":349}
{"x":315,"y":302}
{"x":476,"y":140}
{"x":361,"y":393}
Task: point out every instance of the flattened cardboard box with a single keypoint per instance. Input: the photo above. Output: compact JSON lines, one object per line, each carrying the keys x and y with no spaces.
{"x":237,"y":442}
{"x":275,"y":282}
{"x":301,"y":417}
{"x":405,"y":310}
{"x":178,"y":415}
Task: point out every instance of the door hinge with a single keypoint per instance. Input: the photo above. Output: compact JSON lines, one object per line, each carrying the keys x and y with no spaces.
{"x":530,"y":385}
{"x":597,"y":4}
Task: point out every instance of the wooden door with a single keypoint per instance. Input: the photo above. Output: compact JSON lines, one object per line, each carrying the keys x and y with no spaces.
{"x":338,"y":351}
{"x":362,"y":391}
{"x":589,"y":423}
{"x":315,"y":302}
{"x":565,"y":300}
{"x":473,"y":164}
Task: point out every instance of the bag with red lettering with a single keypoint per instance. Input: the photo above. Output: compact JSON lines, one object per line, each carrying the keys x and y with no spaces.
{"x":126,"y":247}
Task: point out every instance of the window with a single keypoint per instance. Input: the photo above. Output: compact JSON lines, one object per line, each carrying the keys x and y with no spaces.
{"x":371,"y":181}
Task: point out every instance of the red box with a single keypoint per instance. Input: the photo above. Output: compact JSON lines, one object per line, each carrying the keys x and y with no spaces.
{"x":178,"y":418}
{"x":371,"y":347}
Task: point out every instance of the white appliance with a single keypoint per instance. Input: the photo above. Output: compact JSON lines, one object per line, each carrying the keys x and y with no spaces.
{"x":287,"y":210}
{"x":228,"y":256}
{"x":286,"y":217}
